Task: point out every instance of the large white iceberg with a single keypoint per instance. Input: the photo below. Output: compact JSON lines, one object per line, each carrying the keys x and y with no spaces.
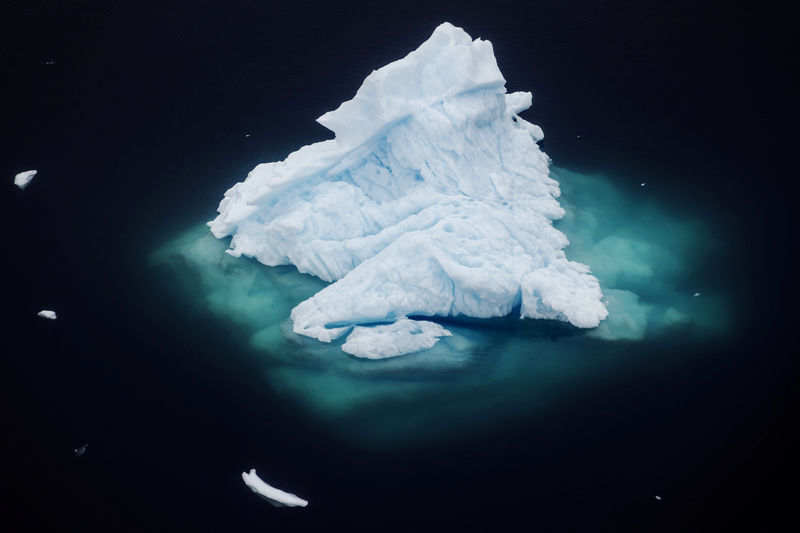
{"x":273,"y":495}
{"x":432,"y":200}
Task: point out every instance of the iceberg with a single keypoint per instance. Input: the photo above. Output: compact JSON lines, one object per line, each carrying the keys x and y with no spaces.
{"x":432,"y":200}
{"x":22,"y":179}
{"x":46,"y":313}
{"x":275,"y":496}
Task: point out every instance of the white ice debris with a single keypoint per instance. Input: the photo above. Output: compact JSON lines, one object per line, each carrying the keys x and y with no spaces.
{"x":22,"y":179}
{"x":643,"y":184}
{"x":695,"y":295}
{"x":658,"y":497}
{"x":275,"y":496}
{"x":46,"y":313}
{"x":390,"y":340}
{"x":433,"y":200}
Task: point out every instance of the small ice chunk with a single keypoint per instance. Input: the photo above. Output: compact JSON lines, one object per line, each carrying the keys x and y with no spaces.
{"x":658,"y":497}
{"x":275,"y":496}
{"x":390,"y":340}
{"x":80,"y":450}
{"x":643,"y":184}
{"x":247,"y":135}
{"x":695,"y":295}
{"x":22,"y":179}
{"x":46,"y":313}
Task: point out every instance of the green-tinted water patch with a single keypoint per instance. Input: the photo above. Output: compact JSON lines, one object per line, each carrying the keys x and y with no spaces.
{"x":649,"y":259}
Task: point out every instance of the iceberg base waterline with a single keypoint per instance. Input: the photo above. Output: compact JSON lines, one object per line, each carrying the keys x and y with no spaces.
{"x":488,"y":371}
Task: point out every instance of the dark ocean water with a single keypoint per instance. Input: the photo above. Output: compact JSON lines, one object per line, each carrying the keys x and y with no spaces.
{"x":138,"y":127}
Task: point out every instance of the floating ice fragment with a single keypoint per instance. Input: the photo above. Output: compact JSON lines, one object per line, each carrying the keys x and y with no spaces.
{"x":658,"y":497}
{"x":695,"y":295}
{"x":46,"y":313}
{"x":22,"y":179}
{"x":80,"y":450}
{"x":247,"y":135}
{"x":275,"y":496}
{"x":390,"y":340}
{"x":643,"y":184}
{"x":48,"y":62}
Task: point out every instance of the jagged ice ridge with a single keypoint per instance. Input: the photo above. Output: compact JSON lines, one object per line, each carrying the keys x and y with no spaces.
{"x":432,"y":200}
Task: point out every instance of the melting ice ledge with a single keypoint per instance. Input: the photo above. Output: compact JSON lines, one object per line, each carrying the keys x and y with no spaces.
{"x":432,"y":200}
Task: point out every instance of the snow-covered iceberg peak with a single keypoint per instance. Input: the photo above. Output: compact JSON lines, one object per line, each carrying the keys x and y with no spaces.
{"x":433,"y":200}
{"x":448,"y":63}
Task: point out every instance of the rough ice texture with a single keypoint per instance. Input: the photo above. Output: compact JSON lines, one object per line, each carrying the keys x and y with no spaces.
{"x":433,"y":200}
{"x":46,"y":313}
{"x":22,"y":179}
{"x":273,"y":495}
{"x":398,"y":338}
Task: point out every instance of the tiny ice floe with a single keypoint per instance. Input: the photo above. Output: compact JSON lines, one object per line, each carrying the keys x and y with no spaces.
{"x":247,"y":135}
{"x":275,"y":496}
{"x":48,"y":62}
{"x":695,"y":295}
{"x":80,"y":450}
{"x":658,"y":497}
{"x":46,"y":313}
{"x":643,"y":184}
{"x":22,"y":179}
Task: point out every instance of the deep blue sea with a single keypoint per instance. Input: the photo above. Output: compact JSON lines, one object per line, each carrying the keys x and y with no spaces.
{"x":139,"y":117}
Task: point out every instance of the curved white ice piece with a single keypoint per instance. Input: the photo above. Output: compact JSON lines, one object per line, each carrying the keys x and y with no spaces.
{"x":275,"y":496}
{"x":46,"y":313}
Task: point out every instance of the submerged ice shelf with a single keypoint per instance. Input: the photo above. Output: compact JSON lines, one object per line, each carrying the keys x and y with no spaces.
{"x":644,"y":251}
{"x":432,"y":200}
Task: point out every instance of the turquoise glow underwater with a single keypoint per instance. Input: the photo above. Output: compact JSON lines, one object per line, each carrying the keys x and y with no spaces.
{"x":645,"y":254}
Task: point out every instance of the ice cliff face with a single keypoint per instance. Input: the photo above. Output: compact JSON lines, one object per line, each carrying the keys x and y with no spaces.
{"x":433,"y":200}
